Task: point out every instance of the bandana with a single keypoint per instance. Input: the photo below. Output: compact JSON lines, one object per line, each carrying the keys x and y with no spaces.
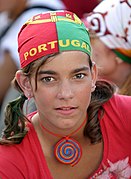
{"x":52,"y":32}
{"x":111,"y":22}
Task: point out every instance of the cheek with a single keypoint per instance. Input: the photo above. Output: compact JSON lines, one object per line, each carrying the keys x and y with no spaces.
{"x":44,"y":98}
{"x":84,"y":96}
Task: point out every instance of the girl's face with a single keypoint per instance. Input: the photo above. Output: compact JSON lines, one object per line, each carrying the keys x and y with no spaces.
{"x":64,"y":86}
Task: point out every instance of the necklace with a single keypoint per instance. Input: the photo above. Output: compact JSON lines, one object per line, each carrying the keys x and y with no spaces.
{"x":67,"y":150}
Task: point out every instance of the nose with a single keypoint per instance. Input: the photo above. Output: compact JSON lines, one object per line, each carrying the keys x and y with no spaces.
{"x":65,"y":90}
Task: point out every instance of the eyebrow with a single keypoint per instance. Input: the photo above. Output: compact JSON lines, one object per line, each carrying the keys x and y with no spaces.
{"x":50,"y":72}
{"x":81,"y":69}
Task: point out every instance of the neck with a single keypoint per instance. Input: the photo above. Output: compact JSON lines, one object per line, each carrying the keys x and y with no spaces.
{"x":55,"y":135}
{"x":63,"y":135}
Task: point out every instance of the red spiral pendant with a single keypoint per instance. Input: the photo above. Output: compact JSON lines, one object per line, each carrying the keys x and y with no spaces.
{"x":68,"y":151}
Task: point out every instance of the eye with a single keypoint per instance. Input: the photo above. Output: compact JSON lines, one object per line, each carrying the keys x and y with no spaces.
{"x":47,"y":79}
{"x":79,"y":76}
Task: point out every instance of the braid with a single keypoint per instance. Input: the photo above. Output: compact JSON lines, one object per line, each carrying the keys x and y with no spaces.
{"x":102,"y":94}
{"x":15,"y":120}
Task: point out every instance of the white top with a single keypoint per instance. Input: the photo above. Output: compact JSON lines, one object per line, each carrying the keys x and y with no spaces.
{"x":9,"y":41}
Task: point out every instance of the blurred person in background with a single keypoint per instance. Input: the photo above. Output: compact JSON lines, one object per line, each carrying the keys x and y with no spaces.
{"x":18,"y":12}
{"x":110,"y":28}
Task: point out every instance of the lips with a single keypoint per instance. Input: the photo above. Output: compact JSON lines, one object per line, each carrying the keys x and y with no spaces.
{"x":66,"y":110}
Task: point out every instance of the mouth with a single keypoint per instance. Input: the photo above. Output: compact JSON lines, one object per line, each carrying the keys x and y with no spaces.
{"x":66,"y":110}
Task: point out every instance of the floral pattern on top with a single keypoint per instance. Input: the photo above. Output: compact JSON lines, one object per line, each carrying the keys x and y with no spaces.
{"x":119,"y":170}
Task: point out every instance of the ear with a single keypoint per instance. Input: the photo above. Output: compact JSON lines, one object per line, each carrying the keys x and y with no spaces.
{"x":24,"y":83}
{"x":118,"y":60}
{"x":94,"y":72}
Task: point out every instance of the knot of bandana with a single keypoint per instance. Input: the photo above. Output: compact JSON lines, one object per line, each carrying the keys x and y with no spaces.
{"x":52,"y":32}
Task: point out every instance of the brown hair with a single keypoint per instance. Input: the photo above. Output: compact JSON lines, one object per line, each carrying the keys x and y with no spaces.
{"x":15,"y":120}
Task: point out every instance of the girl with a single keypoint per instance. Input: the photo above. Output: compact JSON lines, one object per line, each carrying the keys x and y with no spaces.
{"x":79,"y":123}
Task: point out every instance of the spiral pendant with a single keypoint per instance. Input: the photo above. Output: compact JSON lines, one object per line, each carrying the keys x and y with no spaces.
{"x":68,"y":151}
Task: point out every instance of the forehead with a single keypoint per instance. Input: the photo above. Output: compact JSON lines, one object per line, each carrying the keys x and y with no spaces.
{"x":67,"y":59}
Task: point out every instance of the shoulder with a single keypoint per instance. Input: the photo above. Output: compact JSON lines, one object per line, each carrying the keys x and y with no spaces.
{"x":118,"y":111}
{"x":15,"y":157}
{"x":121,"y":103}
{"x":11,"y":158}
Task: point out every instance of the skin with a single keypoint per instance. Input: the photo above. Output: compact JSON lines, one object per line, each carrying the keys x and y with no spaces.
{"x":64,"y":86}
{"x":8,"y":67}
{"x":13,"y":7}
{"x":110,"y":66}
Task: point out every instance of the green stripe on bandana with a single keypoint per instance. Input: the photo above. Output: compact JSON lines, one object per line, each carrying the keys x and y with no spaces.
{"x":70,"y":39}
{"x":122,"y":56}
